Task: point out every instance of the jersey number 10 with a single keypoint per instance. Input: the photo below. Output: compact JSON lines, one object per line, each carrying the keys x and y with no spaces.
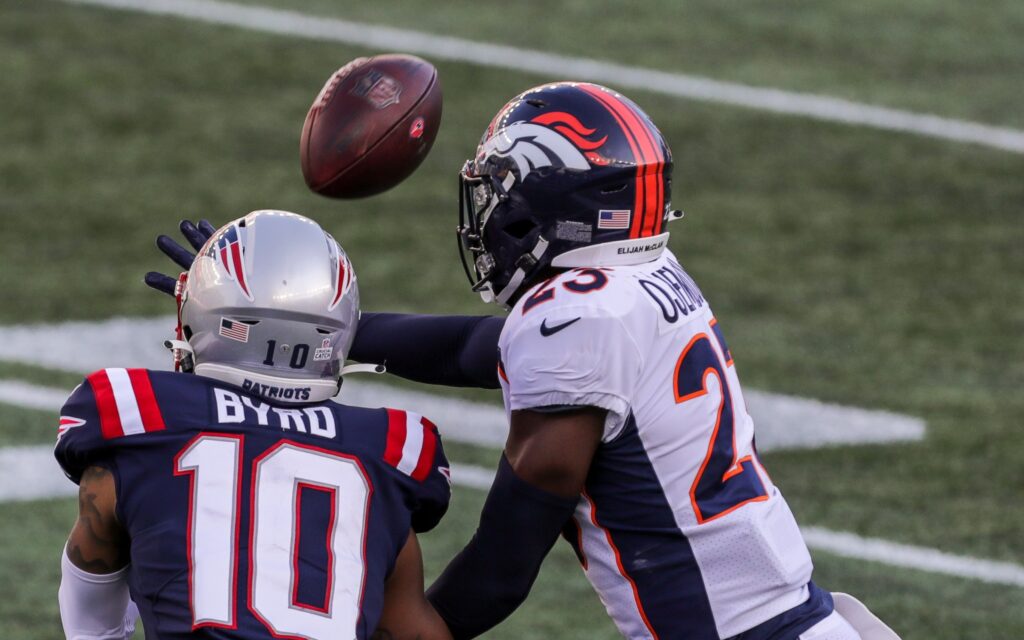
{"x":213,"y":463}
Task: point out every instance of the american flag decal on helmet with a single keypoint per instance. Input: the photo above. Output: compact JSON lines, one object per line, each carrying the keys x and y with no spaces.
{"x":613,"y":218}
{"x":229,"y":251}
{"x":234,"y":330}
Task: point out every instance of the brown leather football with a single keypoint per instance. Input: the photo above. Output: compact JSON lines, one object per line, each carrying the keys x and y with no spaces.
{"x":371,"y":126}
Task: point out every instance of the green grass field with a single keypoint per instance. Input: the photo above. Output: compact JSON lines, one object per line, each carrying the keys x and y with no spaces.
{"x":845,"y":264}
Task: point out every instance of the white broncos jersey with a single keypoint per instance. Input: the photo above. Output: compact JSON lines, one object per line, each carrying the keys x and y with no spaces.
{"x":680,"y":530}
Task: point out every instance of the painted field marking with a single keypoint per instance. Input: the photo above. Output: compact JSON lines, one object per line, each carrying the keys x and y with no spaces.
{"x":32,"y":473}
{"x":30,"y":396}
{"x":555,"y":66}
{"x":81,"y":347}
{"x":850,"y":545}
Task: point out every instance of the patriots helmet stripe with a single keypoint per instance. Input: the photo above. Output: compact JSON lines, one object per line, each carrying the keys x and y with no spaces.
{"x":229,"y":250}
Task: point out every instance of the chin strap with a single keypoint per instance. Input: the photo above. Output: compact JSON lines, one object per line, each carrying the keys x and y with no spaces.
{"x":178,"y":345}
{"x":525,"y":263}
{"x":363,"y":368}
{"x":180,"y":349}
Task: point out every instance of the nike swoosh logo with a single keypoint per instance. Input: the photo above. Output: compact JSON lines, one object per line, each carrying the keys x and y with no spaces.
{"x":546,"y":331}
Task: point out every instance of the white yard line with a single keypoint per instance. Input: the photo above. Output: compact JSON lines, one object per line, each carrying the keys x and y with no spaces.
{"x":782,"y":421}
{"x":31,"y":473}
{"x":850,"y":545}
{"x":558,"y":67}
{"x":31,"y":396}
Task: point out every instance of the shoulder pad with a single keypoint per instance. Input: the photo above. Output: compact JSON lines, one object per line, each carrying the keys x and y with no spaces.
{"x":412,"y":442}
{"x":414,"y":448}
{"x":125,"y":402}
{"x":590,"y":287}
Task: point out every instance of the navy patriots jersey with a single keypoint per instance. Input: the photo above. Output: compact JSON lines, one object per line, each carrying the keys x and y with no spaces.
{"x":251,"y":520}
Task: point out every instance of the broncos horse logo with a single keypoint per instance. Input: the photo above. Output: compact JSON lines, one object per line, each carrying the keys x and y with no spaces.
{"x":555,"y":139}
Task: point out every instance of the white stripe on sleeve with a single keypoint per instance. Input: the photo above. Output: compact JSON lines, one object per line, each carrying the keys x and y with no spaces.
{"x":127,"y":405}
{"x":413,"y":443}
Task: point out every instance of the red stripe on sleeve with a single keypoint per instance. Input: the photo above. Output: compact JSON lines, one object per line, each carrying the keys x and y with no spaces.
{"x":426,"y":461}
{"x":396,"y":437}
{"x":110,"y":419}
{"x":152,"y":419}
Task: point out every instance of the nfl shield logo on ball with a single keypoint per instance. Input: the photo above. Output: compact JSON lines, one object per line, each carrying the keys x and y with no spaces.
{"x":379,"y":90}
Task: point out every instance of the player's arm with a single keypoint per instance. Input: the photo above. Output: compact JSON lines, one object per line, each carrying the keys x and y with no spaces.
{"x":407,"y":615}
{"x":547,"y":458}
{"x":93,"y":591}
{"x":457,"y":351}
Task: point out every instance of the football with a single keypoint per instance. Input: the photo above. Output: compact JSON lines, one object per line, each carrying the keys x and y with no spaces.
{"x":372,"y":124}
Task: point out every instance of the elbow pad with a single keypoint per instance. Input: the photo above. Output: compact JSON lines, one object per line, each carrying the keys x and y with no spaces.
{"x":94,"y":606}
{"x":494,"y":573}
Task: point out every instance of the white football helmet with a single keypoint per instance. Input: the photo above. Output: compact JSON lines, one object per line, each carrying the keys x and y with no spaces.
{"x":271,"y":305}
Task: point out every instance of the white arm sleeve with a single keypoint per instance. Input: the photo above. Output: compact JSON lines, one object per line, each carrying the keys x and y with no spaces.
{"x":95,"y":606}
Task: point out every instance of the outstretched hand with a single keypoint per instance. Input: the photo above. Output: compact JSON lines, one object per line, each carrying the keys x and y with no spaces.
{"x":196,"y":235}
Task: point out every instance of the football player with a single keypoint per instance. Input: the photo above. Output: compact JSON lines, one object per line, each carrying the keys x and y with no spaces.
{"x":629,"y":434}
{"x":236,"y":501}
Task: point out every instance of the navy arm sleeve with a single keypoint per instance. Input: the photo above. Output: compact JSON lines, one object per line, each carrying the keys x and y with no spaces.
{"x":455,"y":351}
{"x":494,"y":573}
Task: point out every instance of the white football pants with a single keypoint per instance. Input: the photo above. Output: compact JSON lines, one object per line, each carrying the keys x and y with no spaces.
{"x":851,"y":620}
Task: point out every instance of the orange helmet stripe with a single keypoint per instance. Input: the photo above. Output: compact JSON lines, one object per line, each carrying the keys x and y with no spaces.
{"x":650,"y":206}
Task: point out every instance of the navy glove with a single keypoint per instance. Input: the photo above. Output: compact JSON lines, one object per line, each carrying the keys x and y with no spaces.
{"x":196,"y":235}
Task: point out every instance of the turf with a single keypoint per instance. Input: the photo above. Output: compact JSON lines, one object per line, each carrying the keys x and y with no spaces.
{"x":561,"y":604}
{"x":949,"y":58}
{"x":844,"y":264}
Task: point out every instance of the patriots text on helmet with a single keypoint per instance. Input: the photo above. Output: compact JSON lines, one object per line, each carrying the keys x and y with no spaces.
{"x":275,"y":393}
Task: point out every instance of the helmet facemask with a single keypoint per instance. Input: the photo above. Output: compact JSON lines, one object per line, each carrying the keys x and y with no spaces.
{"x":502,"y":266}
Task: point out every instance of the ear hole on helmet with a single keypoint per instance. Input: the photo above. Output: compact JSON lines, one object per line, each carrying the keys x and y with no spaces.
{"x":615,"y":188}
{"x":187,"y":332}
{"x":519,"y":228}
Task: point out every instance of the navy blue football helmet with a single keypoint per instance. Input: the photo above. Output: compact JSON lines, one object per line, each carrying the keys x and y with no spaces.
{"x":566,"y":175}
